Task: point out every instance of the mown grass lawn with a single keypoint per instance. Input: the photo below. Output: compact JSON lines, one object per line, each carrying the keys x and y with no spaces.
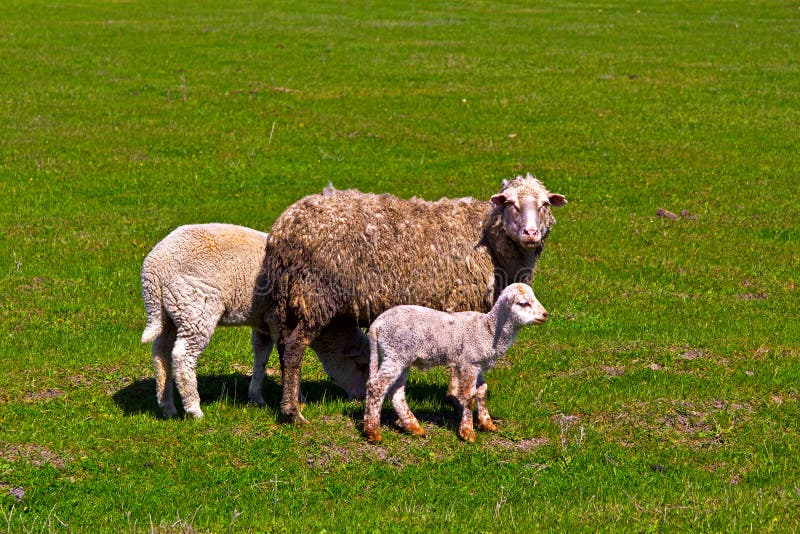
{"x":661,"y":395}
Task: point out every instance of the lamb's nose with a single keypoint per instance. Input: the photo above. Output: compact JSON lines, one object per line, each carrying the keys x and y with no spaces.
{"x":545,"y":315}
{"x":530,"y":231}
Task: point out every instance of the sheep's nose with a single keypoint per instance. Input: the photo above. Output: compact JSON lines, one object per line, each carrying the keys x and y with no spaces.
{"x":544,"y":315}
{"x":530,"y":231}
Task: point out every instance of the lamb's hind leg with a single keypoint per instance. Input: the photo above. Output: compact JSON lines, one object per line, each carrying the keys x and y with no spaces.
{"x":484,"y":420}
{"x":193,"y":338}
{"x":398,"y":393}
{"x":262,"y":346}
{"x":162,"y":361}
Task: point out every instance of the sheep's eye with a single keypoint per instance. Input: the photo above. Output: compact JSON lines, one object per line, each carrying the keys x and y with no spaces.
{"x":524,"y":304}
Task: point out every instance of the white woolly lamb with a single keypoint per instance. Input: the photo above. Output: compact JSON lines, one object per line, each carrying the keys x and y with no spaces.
{"x":205,"y":275}
{"x":467,"y":342}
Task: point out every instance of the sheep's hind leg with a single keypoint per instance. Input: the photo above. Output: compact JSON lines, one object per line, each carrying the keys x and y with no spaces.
{"x":162,"y":361}
{"x":484,"y":420}
{"x":398,"y":392}
{"x":262,"y":346}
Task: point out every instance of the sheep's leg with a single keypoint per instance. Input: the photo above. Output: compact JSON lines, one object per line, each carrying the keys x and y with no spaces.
{"x":398,"y":393}
{"x":467,"y":379}
{"x":193,"y":337}
{"x":484,"y":420}
{"x":162,"y":361}
{"x":262,"y":346}
{"x":291,"y":358}
{"x":377,"y":388}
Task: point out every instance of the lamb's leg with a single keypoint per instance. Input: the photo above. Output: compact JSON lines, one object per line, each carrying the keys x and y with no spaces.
{"x":162,"y":361}
{"x":467,"y":379}
{"x":452,"y":388}
{"x":377,"y":387}
{"x":484,"y":420}
{"x":291,"y":358}
{"x":398,"y":393}
{"x":262,"y":346}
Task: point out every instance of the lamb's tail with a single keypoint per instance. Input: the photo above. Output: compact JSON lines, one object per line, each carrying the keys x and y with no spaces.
{"x":373,"y":351}
{"x":151,"y":295}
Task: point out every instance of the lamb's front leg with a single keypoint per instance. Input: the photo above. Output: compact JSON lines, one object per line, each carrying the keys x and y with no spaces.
{"x":467,"y":378}
{"x":484,"y":420}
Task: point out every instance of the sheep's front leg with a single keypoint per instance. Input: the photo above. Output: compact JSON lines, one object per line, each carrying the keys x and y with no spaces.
{"x":484,"y":420}
{"x":262,"y":346}
{"x":467,"y":378}
{"x":291,"y":358}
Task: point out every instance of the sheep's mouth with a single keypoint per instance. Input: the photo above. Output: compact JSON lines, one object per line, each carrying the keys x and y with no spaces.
{"x":530,"y":243}
{"x":539,"y":321}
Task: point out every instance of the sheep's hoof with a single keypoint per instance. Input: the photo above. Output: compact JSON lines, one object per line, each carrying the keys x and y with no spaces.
{"x":487,"y":426}
{"x":295,"y":418}
{"x":467,"y":434}
{"x":258,"y":401}
{"x":170,"y":412}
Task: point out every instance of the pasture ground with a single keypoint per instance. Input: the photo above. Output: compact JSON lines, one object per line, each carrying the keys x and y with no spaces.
{"x":662,"y":394}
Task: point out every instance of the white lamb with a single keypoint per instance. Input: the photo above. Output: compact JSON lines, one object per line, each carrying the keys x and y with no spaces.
{"x":204,"y":275}
{"x":467,"y":342}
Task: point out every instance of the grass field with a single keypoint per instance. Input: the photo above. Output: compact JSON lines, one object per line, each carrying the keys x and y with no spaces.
{"x":663,"y":393}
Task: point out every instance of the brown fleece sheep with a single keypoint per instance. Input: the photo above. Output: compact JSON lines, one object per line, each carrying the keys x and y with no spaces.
{"x":352,"y":254}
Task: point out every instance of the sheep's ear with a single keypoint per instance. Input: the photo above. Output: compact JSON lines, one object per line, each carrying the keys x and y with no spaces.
{"x":556,"y":199}
{"x":499,"y":199}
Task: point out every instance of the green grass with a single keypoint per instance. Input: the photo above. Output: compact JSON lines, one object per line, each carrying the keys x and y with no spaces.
{"x":661,"y":395}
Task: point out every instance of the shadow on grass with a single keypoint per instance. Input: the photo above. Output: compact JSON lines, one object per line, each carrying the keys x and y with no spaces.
{"x":140,"y":397}
{"x":446,"y":415}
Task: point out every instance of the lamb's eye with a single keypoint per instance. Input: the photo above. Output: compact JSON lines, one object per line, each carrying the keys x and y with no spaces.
{"x":524,"y":304}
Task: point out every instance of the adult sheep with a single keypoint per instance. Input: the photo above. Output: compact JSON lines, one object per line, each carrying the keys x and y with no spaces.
{"x":355,"y":255}
{"x":204,"y":275}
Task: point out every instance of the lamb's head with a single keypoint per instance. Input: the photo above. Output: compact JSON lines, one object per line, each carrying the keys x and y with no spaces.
{"x":526,"y":216}
{"x":524,"y":307}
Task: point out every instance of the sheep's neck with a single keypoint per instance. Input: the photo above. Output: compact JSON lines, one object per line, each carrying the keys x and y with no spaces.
{"x":502,"y":329}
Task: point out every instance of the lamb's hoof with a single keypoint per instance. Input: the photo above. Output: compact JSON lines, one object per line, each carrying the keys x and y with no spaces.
{"x":169,"y":412}
{"x":194,"y":412}
{"x":467,"y":434}
{"x":374,"y":436}
{"x":487,"y":426}
{"x":416,"y":430}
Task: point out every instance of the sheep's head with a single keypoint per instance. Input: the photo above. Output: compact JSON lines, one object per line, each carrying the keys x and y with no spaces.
{"x":525,"y":307}
{"x":526,"y":203}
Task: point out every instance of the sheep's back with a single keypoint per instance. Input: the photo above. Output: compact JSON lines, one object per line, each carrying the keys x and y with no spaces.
{"x":360,"y":254}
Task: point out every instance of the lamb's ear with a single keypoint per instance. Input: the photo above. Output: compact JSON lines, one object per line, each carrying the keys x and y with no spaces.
{"x":556,"y":199}
{"x":499,"y":199}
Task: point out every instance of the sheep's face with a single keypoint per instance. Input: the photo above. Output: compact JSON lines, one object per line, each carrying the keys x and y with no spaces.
{"x":525,"y":307}
{"x":526,"y":210}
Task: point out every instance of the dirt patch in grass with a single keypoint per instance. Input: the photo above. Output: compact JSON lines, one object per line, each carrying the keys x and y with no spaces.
{"x":523,"y":445}
{"x":35,"y":455}
{"x":695,"y":425}
{"x":43,"y":395}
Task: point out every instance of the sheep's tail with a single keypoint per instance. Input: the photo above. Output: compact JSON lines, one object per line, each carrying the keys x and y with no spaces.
{"x":373,"y":351}
{"x":151,"y":295}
